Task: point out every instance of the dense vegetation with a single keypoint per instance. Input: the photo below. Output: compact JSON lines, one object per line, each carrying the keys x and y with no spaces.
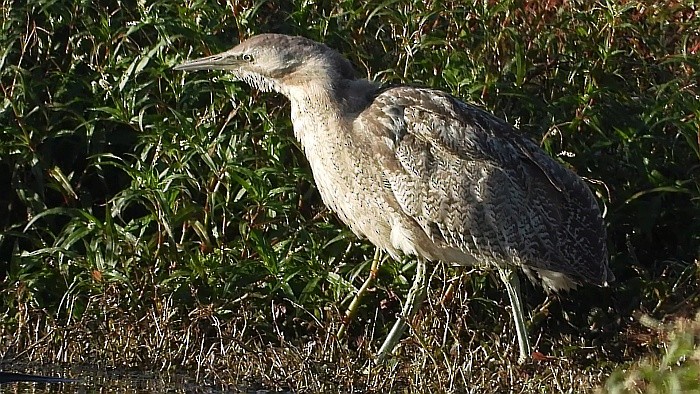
{"x":157,"y":219}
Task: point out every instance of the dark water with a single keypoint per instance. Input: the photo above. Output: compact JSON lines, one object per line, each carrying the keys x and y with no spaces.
{"x":87,"y":379}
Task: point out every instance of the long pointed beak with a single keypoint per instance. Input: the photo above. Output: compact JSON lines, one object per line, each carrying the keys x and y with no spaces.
{"x":220,"y":61}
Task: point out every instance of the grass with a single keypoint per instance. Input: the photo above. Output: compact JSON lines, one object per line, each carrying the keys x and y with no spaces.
{"x":159,"y":220}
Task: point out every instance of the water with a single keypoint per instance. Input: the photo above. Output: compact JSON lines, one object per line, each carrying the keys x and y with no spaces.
{"x":87,"y":379}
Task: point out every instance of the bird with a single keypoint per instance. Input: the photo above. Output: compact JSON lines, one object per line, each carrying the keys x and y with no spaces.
{"x":420,"y":173}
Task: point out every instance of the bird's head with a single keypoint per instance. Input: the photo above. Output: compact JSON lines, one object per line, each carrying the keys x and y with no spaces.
{"x":279,"y":63}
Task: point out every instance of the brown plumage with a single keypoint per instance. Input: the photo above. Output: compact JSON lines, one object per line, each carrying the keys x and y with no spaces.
{"x":418,"y":172}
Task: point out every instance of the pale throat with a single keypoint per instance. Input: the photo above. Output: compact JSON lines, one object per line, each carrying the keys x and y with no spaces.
{"x":315,"y":111}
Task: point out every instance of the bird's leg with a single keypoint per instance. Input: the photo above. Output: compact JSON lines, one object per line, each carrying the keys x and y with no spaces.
{"x":352,"y":309}
{"x":510,"y":278}
{"x":414,"y":299}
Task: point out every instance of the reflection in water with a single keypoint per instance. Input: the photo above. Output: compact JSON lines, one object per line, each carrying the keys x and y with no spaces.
{"x":87,"y":379}
{"x":11,"y":377}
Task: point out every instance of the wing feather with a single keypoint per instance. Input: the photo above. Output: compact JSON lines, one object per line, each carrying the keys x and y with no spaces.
{"x":471,"y":182}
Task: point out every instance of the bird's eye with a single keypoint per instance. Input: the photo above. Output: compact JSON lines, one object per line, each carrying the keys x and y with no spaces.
{"x":248,"y":58}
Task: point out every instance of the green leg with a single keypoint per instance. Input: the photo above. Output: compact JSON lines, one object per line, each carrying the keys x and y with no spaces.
{"x":352,"y":309}
{"x":510,"y":278}
{"x":414,"y":299}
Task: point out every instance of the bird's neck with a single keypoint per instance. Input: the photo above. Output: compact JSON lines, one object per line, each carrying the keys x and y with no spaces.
{"x":323,"y":113}
{"x":322,"y":98}
{"x":323,"y":123}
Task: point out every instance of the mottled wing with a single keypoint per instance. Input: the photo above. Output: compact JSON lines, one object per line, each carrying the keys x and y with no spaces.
{"x":471,"y":182}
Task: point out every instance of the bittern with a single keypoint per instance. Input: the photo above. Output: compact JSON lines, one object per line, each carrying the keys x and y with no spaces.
{"x":418,"y":172}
